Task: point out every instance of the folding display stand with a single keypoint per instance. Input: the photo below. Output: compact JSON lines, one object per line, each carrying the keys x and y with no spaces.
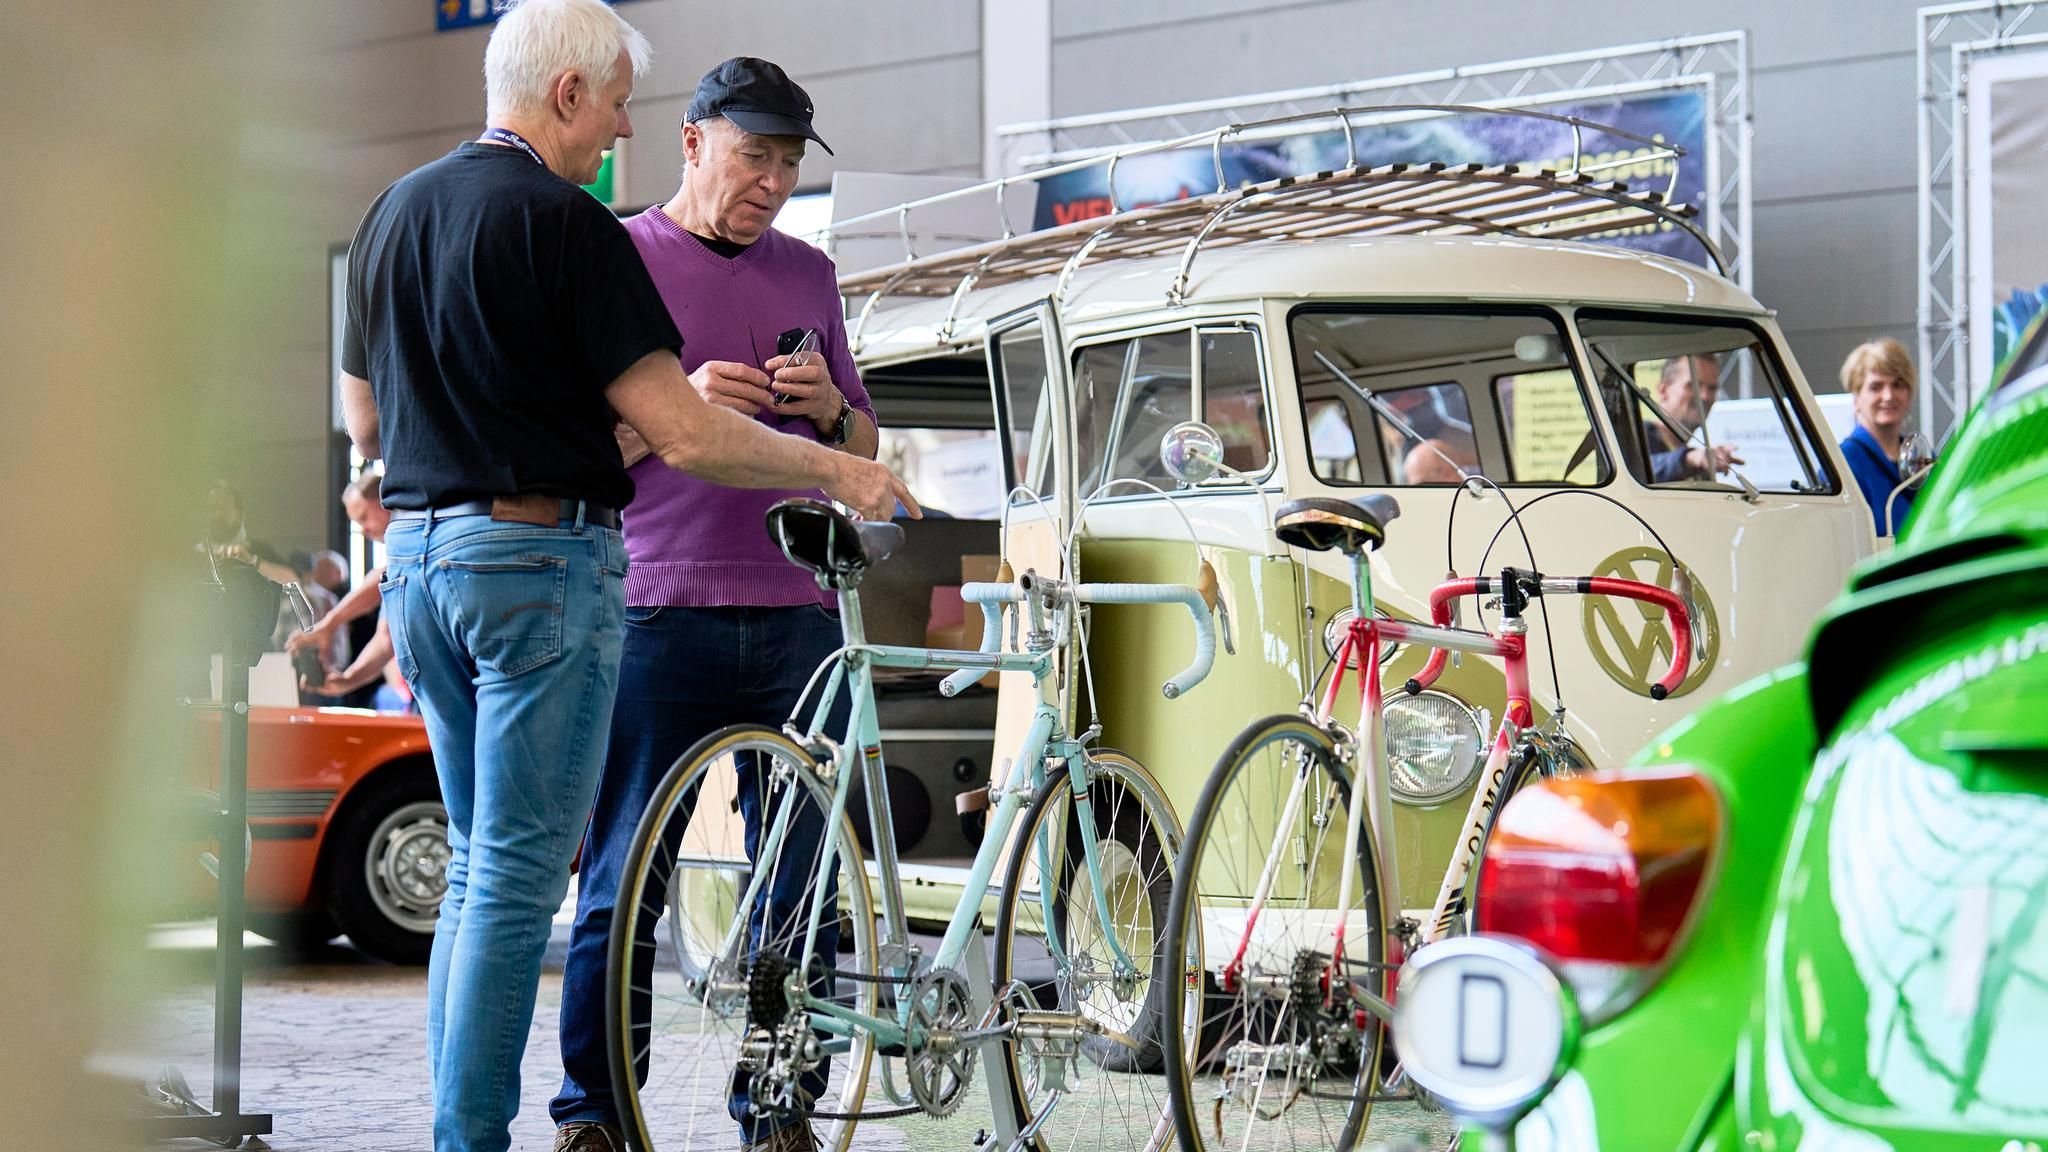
{"x":245,"y":610}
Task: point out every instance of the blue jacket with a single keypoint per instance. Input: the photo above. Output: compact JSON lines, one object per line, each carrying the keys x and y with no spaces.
{"x":1876,"y":474}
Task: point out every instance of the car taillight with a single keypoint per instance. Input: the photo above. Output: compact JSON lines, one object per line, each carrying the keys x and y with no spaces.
{"x":1603,"y":872}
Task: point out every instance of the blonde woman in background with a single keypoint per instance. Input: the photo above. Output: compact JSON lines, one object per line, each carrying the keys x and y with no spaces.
{"x":1879,"y":374}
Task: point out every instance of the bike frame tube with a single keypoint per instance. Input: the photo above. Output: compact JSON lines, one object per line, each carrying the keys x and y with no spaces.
{"x":855,"y":661}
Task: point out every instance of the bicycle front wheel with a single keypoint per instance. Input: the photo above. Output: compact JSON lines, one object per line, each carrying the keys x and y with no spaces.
{"x":1082,"y":946}
{"x":707,"y":1050}
{"x":1279,"y":1053}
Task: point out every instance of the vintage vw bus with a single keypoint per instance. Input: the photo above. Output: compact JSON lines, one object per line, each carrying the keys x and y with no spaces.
{"x":1394,"y":329}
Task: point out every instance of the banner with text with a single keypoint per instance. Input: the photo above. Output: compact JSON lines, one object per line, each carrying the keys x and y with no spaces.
{"x":1676,"y":116}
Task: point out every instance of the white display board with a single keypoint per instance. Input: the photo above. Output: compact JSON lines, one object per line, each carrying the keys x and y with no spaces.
{"x":1758,"y":436}
{"x":2006,"y":177}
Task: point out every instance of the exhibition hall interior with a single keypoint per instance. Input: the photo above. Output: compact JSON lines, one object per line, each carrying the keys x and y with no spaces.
{"x":1027,"y":575}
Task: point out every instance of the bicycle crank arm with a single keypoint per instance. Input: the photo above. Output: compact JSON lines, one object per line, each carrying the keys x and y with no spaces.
{"x":1063,"y":1026}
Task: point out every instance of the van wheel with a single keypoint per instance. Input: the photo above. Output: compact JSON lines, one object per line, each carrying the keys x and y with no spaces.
{"x":387,"y":868}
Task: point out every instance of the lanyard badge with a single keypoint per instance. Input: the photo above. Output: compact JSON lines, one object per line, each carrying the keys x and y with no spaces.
{"x":508,"y":136}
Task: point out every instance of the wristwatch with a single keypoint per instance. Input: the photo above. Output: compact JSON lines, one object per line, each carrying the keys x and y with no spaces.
{"x":840,"y":430}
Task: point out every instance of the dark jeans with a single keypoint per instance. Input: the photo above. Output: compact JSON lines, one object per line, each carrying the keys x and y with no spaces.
{"x":686,"y":673}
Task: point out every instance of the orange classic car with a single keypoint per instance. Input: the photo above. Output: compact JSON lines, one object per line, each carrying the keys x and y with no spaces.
{"x":346,"y":829}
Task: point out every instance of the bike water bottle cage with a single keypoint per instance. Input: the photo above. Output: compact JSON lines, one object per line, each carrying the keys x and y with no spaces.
{"x":835,"y":546}
{"x":1321,"y":523}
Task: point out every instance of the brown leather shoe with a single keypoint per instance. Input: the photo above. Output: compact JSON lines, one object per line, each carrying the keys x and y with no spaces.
{"x":589,"y":1137}
{"x":794,"y":1137}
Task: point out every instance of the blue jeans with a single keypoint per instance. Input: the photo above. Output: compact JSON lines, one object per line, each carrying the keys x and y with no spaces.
{"x":509,"y":635}
{"x":687,"y":673}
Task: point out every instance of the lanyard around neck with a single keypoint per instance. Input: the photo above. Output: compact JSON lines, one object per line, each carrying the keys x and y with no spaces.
{"x":508,"y":136}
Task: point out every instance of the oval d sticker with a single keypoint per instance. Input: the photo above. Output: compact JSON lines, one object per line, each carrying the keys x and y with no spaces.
{"x":1629,"y":638}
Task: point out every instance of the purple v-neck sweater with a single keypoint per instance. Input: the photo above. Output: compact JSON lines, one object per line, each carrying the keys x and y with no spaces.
{"x":697,"y":544}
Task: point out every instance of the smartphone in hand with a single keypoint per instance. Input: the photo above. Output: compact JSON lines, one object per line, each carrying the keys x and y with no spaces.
{"x":797,"y":344}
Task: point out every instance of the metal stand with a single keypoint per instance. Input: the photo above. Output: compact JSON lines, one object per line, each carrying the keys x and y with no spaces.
{"x":224,"y":1123}
{"x":981,"y":983}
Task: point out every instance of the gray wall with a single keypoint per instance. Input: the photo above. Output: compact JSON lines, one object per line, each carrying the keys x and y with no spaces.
{"x":373,"y":91}
{"x":898,"y":88}
{"x":1832,"y":96}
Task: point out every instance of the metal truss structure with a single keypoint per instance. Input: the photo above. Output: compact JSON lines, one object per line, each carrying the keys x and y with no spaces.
{"x":1717,"y":63}
{"x":1951,"y":37}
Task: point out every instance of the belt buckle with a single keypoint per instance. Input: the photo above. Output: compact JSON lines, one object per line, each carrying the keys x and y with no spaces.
{"x":535,"y":508}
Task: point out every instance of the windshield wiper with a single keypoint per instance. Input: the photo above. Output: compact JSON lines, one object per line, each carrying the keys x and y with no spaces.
{"x":1749,"y":490}
{"x":1386,"y":411}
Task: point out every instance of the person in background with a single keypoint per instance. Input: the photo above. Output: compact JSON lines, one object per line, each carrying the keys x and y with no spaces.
{"x":1434,"y":461}
{"x":372,"y":665}
{"x":720,"y":627}
{"x":318,"y":598}
{"x":1879,"y":375}
{"x":362,"y":500}
{"x":227,"y":537}
{"x":1687,"y":387}
{"x":498,"y":323}
{"x":330,"y":571}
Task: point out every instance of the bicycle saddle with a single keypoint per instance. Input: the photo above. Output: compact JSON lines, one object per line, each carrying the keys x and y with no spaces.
{"x":1320,"y":523}
{"x":830,"y":543}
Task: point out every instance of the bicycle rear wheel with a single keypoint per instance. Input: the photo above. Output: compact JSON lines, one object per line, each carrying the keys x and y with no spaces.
{"x":1089,"y":1074}
{"x":702,"y":1034}
{"x":1281,"y":1055}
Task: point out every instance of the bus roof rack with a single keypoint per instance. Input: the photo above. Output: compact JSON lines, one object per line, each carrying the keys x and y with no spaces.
{"x":1390,"y":200}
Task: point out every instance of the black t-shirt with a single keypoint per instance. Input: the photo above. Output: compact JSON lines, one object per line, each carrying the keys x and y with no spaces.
{"x":490,"y":303}
{"x":724,"y":249}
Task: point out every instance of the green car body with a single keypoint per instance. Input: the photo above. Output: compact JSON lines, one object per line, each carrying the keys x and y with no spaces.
{"x":1869,"y":969}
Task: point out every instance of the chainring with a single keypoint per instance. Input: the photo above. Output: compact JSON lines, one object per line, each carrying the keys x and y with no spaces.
{"x":938,"y":1067}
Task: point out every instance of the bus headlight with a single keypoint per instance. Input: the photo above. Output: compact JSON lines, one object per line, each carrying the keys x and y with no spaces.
{"x":1433,"y":745}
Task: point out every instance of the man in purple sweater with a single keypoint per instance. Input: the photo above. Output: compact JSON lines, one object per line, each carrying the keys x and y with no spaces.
{"x":721,"y":629}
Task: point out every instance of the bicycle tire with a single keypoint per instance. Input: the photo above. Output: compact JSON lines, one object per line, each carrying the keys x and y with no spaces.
{"x":705,"y":841}
{"x":1220,"y":825}
{"x":1525,"y":763}
{"x":1123,"y":1099}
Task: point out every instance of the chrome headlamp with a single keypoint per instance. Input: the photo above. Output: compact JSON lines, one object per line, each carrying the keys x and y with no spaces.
{"x":1434,"y":745}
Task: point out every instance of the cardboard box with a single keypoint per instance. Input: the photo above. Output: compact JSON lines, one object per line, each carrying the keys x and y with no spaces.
{"x":955,"y":623}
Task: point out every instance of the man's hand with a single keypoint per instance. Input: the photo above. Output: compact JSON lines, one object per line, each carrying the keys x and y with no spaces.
{"x":740,"y":387}
{"x":1696,"y":459}
{"x":808,"y":391}
{"x":870,"y":489}
{"x":320,"y":636}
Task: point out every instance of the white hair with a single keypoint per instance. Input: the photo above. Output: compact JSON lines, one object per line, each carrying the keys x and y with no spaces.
{"x":535,"y":41}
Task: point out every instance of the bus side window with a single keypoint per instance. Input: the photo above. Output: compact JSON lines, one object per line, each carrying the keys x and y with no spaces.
{"x":1234,"y":398}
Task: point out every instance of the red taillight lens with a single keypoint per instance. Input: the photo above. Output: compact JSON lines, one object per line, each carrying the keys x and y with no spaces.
{"x":1603,"y":868}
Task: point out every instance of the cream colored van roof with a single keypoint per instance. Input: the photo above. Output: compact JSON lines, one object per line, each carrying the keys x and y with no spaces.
{"x":1379,"y":268}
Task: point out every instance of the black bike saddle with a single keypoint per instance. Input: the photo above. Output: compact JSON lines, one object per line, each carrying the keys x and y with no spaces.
{"x":1320,"y":523}
{"x":830,"y":543}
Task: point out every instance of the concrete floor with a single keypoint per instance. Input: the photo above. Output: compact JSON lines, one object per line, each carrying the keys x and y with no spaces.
{"x":335,"y":1045}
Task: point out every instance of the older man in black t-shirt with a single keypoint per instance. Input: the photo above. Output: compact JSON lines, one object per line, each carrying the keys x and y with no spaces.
{"x":497,"y":318}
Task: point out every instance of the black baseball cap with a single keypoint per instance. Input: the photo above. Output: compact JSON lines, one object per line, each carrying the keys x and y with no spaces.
{"x":757,"y":96}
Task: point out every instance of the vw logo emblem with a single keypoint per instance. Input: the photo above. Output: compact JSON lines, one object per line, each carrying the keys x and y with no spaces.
{"x":1630,"y":640}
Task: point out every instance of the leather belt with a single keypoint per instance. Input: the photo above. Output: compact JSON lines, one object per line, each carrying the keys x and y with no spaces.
{"x":535,"y":509}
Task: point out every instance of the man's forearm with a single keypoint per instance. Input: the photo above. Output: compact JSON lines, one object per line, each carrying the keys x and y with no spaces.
{"x":714,"y":443}
{"x":733,"y":450}
{"x":367,"y":666}
{"x":360,"y":601}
